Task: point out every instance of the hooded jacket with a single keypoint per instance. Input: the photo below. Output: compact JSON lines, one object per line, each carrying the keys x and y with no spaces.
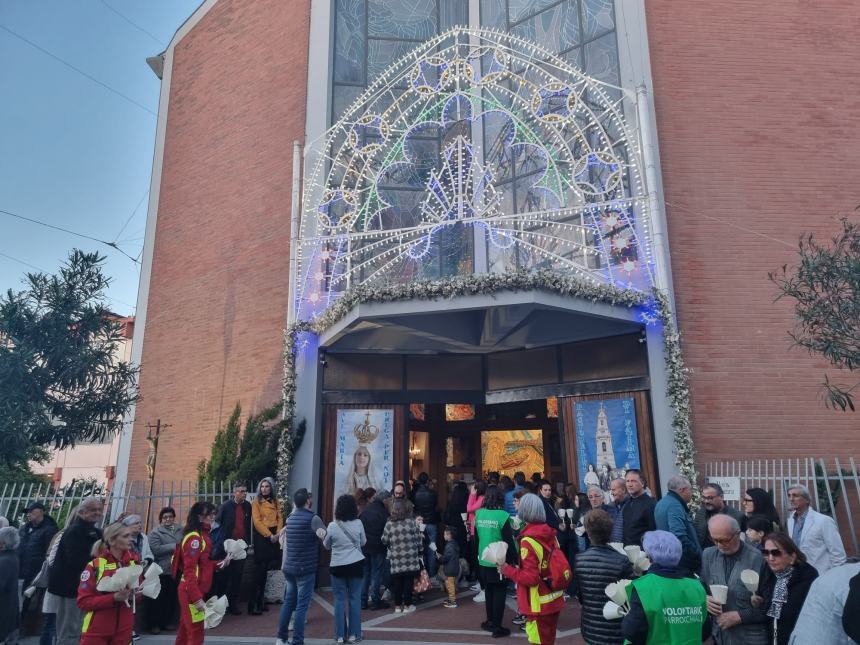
{"x":528,"y":573}
{"x":450,"y":559}
{"x":103,"y":615}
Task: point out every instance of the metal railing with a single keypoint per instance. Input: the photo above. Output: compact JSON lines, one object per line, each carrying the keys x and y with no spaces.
{"x":834,"y":485}
{"x":134,"y":497}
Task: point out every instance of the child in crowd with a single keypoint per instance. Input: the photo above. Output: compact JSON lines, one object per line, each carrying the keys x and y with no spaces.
{"x":450,"y":561}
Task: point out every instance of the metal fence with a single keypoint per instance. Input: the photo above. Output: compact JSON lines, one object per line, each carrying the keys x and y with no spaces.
{"x":134,"y":497}
{"x":834,"y":484}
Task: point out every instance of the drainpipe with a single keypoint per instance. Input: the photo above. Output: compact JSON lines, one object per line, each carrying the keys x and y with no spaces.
{"x":657,"y":214}
{"x":295,"y":211}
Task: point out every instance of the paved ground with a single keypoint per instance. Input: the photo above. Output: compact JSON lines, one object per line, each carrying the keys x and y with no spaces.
{"x":430,"y":623}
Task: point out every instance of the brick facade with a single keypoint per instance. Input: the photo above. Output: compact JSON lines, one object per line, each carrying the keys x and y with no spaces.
{"x":218,"y":292}
{"x":758,"y":128}
{"x":757,"y":124}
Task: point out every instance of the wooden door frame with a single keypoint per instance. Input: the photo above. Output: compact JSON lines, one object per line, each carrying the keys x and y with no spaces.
{"x":647,"y":450}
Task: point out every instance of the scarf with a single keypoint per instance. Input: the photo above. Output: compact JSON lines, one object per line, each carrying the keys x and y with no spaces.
{"x":780,"y":593}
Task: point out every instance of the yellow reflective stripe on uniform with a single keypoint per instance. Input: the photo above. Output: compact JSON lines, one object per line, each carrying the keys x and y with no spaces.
{"x":532,"y":632}
{"x":202,"y":549}
{"x":535,"y":599}
{"x":196,"y":614}
{"x":103,"y":565}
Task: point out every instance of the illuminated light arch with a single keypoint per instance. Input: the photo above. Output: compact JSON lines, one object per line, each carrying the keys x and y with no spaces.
{"x":475,"y":138}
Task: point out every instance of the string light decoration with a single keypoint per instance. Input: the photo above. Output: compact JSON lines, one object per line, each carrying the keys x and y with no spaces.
{"x":475,"y":138}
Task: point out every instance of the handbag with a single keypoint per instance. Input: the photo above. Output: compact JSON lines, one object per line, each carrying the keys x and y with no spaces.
{"x":275,"y":585}
{"x":422,"y":580}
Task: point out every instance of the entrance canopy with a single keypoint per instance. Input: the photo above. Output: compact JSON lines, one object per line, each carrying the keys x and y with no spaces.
{"x":478,"y":151}
{"x":511,"y":321}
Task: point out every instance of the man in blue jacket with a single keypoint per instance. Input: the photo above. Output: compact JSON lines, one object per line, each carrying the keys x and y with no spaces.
{"x":304,"y":530}
{"x":672,"y":514}
{"x":519,"y":481}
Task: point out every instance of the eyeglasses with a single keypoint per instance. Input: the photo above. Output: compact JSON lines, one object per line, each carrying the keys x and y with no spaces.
{"x":748,"y":500}
{"x":771,"y":553}
{"x":724,"y":540}
{"x":709,"y":498}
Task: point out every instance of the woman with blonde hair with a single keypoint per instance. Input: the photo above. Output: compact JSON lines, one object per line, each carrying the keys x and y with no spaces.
{"x":359,"y":475}
{"x":108,"y":616}
{"x":268,"y":522}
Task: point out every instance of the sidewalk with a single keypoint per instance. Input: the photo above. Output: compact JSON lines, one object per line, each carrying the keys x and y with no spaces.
{"x":431,"y":623}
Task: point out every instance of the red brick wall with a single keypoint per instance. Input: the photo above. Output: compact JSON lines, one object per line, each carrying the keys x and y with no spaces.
{"x":218,"y":292}
{"x":758,"y":123}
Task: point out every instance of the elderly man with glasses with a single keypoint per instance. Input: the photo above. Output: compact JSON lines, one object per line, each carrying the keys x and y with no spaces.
{"x":736,"y":622}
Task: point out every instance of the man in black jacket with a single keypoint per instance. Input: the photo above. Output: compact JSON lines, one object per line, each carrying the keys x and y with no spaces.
{"x":638,"y":512}
{"x":35,"y":536}
{"x":73,"y":553}
{"x":426,"y":501}
{"x":374,"y":517}
{"x":234,"y":522}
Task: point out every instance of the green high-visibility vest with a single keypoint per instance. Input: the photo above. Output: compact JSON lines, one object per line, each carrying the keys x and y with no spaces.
{"x":675,"y":609}
{"x":488,"y":525}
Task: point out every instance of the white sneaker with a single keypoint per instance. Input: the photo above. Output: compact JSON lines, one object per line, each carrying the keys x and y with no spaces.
{"x":479,"y":597}
{"x":278,"y":641}
{"x":475,"y":587}
{"x":398,"y":610}
{"x":339,"y":641}
{"x":386,"y":596}
{"x":409,"y":609}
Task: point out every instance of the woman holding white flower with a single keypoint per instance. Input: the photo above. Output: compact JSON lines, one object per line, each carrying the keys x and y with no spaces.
{"x":539,"y":603}
{"x":108,"y":616}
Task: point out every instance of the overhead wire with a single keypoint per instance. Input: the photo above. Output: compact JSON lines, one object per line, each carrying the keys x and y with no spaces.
{"x":133,"y":24}
{"x":76,"y":69}
{"x":113,"y":245}
{"x":145,"y":193}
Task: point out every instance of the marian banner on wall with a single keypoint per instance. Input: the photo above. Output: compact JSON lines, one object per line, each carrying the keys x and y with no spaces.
{"x":607,"y":440}
{"x":364,"y":451}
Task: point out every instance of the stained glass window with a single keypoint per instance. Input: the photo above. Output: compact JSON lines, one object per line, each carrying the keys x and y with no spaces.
{"x":459,"y":412}
{"x":476,"y":140}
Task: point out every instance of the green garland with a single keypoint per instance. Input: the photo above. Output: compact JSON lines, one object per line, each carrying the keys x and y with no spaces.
{"x":489,"y":284}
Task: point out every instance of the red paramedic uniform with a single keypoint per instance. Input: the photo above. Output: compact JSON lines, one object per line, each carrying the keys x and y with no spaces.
{"x":106,"y":621}
{"x":540,"y":604}
{"x":197,"y":572}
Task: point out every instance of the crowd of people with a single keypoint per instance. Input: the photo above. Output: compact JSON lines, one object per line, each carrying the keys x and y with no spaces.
{"x":388,"y":548}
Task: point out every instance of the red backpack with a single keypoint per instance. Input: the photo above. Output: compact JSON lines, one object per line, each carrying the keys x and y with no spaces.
{"x":554,"y":568}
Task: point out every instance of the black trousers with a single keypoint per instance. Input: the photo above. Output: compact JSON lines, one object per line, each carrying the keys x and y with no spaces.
{"x":163,"y":611}
{"x":229,"y":582}
{"x":495,"y":588}
{"x":401,"y":587}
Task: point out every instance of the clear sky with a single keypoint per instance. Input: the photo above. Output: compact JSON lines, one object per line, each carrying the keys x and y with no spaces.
{"x":76,"y":152}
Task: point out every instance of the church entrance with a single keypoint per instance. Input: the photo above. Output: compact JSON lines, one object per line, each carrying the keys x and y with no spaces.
{"x":577,"y":439}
